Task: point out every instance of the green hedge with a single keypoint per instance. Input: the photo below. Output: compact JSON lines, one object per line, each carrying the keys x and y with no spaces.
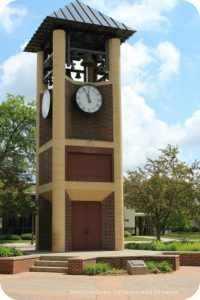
{"x":167,"y":246}
{"x":9,"y":237}
{"x":26,"y":236}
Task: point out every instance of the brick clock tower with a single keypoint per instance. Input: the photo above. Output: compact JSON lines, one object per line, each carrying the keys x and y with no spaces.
{"x":79,"y":155}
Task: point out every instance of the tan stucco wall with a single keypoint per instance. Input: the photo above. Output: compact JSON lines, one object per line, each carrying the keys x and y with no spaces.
{"x":58,"y":165}
{"x":88,"y":191}
{"x":40,"y":89}
{"x":114,"y":76}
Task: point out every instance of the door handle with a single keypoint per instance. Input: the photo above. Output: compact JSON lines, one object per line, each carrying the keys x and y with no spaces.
{"x":86,"y":231}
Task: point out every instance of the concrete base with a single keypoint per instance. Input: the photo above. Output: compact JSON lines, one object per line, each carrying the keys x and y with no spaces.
{"x":136,"y":267}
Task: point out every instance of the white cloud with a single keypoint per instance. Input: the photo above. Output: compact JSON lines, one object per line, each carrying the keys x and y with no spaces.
{"x":11,"y":17}
{"x":192,"y":133}
{"x":19,"y":76}
{"x":148,"y":69}
{"x":141,"y":15}
{"x":170,"y":58}
{"x":143,"y":132}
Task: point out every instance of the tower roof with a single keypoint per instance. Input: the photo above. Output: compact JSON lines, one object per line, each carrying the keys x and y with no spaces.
{"x":77,"y":16}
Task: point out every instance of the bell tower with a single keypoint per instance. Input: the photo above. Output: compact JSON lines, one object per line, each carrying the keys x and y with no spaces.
{"x":79,"y":153}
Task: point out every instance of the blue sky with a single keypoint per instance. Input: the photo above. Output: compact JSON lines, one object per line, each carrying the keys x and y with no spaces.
{"x":160,"y":69}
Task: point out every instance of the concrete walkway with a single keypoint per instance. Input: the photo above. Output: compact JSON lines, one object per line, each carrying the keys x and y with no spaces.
{"x":178,"y":285}
{"x":95,"y":254}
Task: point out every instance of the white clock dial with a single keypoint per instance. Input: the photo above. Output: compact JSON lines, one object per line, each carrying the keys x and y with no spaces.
{"x":46,"y":103}
{"x":89,"y":99}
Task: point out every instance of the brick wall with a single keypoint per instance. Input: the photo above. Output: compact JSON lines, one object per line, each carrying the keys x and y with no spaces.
{"x":120,"y":262}
{"x":76,"y":266}
{"x":97,"y":126}
{"x":45,"y":127}
{"x":45,"y":224}
{"x":68,"y":223}
{"x":6,"y":266}
{"x":187,"y":258}
{"x":16,"y":265}
{"x":45,"y":167}
{"x":108,"y":223}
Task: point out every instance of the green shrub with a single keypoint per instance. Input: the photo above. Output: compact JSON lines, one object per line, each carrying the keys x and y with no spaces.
{"x":167,"y":246}
{"x":26,"y":236}
{"x":151,"y":265}
{"x":102,"y":269}
{"x":9,"y":252}
{"x":127,"y":233}
{"x":98,"y":268}
{"x":163,"y":266}
{"x":10,"y":237}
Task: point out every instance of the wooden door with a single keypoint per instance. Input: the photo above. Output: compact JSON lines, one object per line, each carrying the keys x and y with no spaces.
{"x":93,"y":225}
{"x":86,"y":225}
{"x":78,"y":225}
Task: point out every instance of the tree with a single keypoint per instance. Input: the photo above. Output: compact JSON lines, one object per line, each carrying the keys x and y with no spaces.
{"x":17,"y":153}
{"x":179,"y":221}
{"x":163,"y":187}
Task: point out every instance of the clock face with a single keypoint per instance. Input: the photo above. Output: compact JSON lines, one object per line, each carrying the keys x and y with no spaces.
{"x":89,"y":99}
{"x":46,"y":103}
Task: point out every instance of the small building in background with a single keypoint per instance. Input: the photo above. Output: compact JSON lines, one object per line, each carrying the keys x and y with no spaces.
{"x":133,"y":221}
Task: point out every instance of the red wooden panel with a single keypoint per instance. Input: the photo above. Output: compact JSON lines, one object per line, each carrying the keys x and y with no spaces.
{"x":93,"y":237}
{"x":78,"y":226}
{"x":89,"y":167}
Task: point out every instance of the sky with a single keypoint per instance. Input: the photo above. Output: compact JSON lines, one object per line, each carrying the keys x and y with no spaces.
{"x":160,"y":69}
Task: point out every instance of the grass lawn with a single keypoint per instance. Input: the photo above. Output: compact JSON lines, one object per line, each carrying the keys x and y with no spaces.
{"x":165,"y":246}
{"x":138,"y":238}
{"x":14,"y":242}
{"x":189,"y":235}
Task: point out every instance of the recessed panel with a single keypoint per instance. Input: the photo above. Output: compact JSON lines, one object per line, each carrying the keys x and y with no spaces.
{"x":45,"y":167}
{"x":92,"y":166}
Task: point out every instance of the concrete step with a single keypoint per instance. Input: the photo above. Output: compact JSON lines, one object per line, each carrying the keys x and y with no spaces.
{"x":51,"y":263}
{"x":48,"y":269}
{"x":54,"y":258}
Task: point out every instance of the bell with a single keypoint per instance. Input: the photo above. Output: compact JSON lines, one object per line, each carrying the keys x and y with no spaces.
{"x":75,"y":56}
{"x":99,"y":58}
{"x":88,"y":60}
{"x":78,"y":75}
{"x":101,"y":70}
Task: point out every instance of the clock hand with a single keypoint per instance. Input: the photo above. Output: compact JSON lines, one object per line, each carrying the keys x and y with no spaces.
{"x":88,"y":96}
